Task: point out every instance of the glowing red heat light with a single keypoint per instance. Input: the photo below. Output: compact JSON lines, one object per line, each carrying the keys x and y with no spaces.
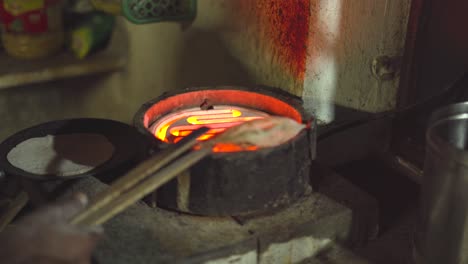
{"x":176,"y":126}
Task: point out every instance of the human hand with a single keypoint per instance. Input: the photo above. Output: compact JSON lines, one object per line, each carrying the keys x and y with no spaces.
{"x":45,"y":236}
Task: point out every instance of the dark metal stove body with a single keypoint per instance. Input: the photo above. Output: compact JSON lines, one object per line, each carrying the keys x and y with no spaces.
{"x":236,"y":183}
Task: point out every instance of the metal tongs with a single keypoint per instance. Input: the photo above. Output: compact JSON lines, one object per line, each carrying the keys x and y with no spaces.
{"x":144,"y":179}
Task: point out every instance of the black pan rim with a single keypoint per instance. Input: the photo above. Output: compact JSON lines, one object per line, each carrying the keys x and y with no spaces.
{"x":125,"y":151}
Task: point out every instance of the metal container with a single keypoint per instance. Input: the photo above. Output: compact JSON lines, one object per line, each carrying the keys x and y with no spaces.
{"x":442,"y":235}
{"x":32,"y":29}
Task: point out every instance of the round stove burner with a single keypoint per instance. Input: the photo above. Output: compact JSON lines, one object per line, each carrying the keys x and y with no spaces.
{"x":231,"y":181}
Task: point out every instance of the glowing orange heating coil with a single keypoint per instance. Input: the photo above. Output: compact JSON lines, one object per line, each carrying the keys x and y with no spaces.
{"x":176,"y":126}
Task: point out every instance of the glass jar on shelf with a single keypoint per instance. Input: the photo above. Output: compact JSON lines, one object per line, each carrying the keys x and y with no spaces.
{"x":32,"y":28}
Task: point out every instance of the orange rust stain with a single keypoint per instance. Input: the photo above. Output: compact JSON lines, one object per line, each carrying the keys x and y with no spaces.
{"x":285,"y":25}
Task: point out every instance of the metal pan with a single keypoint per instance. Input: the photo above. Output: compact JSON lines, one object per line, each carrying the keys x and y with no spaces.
{"x":129,"y":145}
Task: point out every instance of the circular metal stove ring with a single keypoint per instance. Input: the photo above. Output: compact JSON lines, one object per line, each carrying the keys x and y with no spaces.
{"x":236,"y":183}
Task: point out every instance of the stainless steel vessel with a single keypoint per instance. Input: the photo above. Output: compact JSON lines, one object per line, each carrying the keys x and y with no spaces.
{"x":442,"y":233}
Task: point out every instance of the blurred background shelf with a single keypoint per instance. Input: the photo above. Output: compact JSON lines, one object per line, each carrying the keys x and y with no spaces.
{"x":15,"y":72}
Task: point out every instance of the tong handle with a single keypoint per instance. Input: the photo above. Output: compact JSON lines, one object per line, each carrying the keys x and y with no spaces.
{"x":138,"y":174}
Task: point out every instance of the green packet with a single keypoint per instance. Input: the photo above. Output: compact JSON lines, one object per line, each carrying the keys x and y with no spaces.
{"x":91,"y":33}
